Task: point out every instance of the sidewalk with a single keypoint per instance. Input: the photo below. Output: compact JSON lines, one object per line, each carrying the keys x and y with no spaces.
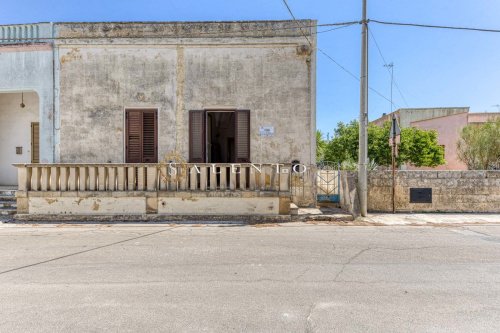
{"x":320,"y":215}
{"x":331,"y":214}
{"x":430,"y":218}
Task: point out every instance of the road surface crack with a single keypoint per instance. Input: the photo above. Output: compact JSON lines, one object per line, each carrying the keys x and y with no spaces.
{"x":348,"y":262}
{"x":84,"y":251}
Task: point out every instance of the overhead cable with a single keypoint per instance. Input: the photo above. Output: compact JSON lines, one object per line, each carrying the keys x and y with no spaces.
{"x":387,"y":66}
{"x":435,"y":26}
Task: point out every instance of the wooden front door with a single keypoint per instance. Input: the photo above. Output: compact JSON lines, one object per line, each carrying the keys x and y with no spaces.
{"x":141,"y":136}
{"x":237,"y":146}
{"x":35,"y":142}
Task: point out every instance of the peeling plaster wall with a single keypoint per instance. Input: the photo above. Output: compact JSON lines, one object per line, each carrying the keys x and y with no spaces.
{"x":98,"y":83}
{"x":270,"y":81}
{"x":163,"y":203}
{"x":272,"y":76}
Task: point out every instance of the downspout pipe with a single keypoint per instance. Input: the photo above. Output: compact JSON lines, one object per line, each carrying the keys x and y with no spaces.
{"x":53,"y":94}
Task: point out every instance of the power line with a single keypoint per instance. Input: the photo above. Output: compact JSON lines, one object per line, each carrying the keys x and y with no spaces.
{"x":297,"y":22}
{"x":336,"y":63}
{"x":380,"y":94}
{"x":435,"y":26}
{"x":330,"y":57}
{"x":354,"y":76}
{"x":387,"y":66}
{"x":328,"y":30}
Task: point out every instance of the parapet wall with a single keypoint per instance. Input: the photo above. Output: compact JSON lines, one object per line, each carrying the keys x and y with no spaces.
{"x":443,"y":191}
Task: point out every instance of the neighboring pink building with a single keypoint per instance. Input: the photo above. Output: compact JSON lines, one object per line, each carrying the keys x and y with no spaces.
{"x":448,"y":122}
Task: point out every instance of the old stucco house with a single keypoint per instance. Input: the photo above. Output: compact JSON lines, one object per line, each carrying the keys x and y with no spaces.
{"x":108,"y":95}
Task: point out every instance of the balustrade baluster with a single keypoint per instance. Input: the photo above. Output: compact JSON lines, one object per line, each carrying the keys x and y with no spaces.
{"x":54,"y":178}
{"x":203,"y":178}
{"x":151,"y":177}
{"x":92,"y":178}
{"x":130,"y":178}
{"x":45,"y":179}
{"x":35,"y":179}
{"x":101,"y":178}
{"x":111,"y":178}
{"x":83,"y":184}
{"x":121,"y":181}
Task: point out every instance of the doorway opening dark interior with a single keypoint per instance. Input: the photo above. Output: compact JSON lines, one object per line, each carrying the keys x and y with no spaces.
{"x":220,"y":138}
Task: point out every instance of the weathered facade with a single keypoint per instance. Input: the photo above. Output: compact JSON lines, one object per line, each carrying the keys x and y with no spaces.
{"x":205,"y":91}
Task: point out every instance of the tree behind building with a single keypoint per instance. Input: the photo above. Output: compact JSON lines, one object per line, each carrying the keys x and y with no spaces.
{"x":479,"y":145}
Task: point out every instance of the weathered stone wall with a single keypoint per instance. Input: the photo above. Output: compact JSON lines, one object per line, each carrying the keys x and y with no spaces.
{"x":266,"y":67}
{"x":349,"y":199}
{"x":452,"y":191}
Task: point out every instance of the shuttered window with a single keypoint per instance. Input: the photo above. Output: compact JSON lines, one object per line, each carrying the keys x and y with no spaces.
{"x":35,"y":142}
{"x":196,"y":136}
{"x":242,"y":133}
{"x":141,"y":136}
{"x":149,"y":151}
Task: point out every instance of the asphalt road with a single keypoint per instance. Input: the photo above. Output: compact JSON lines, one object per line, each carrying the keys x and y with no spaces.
{"x":288,"y":278}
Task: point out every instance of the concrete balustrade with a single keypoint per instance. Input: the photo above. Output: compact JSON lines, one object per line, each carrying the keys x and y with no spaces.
{"x":90,"y":189}
{"x":153,"y":177}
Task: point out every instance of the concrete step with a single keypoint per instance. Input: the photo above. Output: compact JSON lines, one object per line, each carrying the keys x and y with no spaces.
{"x":8,"y":211}
{"x":294,"y":209}
{"x":8,"y":204}
{"x":7,"y":193}
{"x":329,"y":204}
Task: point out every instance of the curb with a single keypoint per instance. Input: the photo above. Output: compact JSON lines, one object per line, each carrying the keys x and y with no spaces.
{"x":151,"y":219}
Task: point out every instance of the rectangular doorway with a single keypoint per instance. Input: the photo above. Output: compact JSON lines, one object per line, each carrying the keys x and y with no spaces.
{"x":219,"y":136}
{"x":141,"y":136}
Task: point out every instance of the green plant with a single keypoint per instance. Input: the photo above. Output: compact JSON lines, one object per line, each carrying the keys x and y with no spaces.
{"x":479,"y":145}
{"x":418,"y":147}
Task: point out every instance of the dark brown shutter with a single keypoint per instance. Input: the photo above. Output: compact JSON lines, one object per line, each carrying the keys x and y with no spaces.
{"x":141,"y":136}
{"x":35,"y":142}
{"x":242,"y":126}
{"x":149,"y":138}
{"x":196,"y":136}
{"x":133,"y":136}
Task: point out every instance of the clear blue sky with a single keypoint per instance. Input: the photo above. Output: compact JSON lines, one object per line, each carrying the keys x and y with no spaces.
{"x":433,"y":68}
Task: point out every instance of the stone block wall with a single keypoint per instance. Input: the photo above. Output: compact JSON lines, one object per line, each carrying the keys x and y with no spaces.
{"x":475,"y":191}
{"x":349,"y":199}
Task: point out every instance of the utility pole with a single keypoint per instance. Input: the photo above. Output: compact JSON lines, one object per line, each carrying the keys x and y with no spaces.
{"x":393,"y":154}
{"x":393,"y":143}
{"x":394,"y":133}
{"x":363,"y":118}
